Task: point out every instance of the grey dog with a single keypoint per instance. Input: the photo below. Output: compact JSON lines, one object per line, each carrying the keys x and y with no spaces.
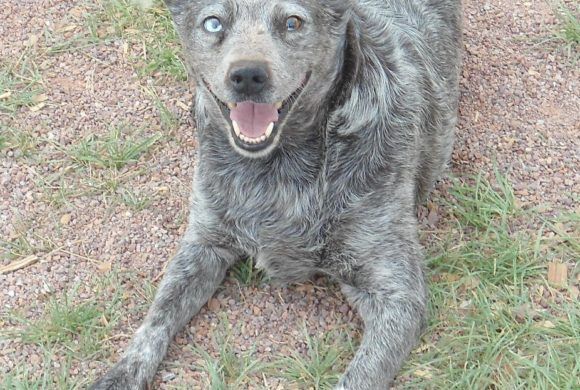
{"x":321,"y":125}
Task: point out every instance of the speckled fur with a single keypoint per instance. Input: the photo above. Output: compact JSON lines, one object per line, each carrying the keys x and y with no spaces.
{"x":337,"y":192}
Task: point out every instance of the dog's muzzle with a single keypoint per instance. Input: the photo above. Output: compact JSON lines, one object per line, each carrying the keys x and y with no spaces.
{"x":254,"y":126}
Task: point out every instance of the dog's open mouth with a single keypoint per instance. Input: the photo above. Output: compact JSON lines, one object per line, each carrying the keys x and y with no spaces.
{"x":254,"y":125}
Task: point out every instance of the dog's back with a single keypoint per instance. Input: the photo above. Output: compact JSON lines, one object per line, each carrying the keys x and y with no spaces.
{"x":418,"y":44}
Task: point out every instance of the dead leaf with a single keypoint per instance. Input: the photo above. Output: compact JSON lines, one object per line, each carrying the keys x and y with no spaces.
{"x":431,"y":206}
{"x":65,"y":219}
{"x":213,"y":304}
{"x":103,"y":320}
{"x":557,"y":274}
{"x":5,"y":95}
{"x":547,"y":324}
{"x":182,"y":105}
{"x":68,"y":28}
{"x":423,"y":374}
{"x":424,"y":348}
{"x":559,"y":227}
{"x":433,"y":218}
{"x":37,"y":107}
{"x":19,"y":264}
{"x":449,"y":277}
{"x":471,"y":282}
{"x":77,"y":12}
{"x":105,"y":267}
{"x":305,"y":288}
{"x":39,"y":98}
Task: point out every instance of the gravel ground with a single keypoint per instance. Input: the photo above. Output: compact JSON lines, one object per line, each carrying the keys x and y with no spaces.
{"x":520,"y":110}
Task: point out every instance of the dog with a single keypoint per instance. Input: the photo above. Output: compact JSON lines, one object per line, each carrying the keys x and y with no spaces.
{"x":321,"y":125}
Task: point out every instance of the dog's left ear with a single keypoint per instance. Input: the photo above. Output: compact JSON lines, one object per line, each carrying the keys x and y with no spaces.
{"x":364,"y":80}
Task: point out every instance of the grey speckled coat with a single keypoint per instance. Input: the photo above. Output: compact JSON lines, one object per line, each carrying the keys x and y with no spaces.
{"x":370,"y":90}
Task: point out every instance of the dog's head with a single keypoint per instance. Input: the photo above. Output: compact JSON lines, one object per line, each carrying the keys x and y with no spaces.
{"x":261,"y":64}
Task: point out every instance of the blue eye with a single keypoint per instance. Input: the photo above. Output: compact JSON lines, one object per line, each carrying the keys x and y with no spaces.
{"x":293,"y":23}
{"x":212,"y":24}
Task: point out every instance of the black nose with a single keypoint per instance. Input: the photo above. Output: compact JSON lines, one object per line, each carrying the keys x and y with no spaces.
{"x":248,"y":78}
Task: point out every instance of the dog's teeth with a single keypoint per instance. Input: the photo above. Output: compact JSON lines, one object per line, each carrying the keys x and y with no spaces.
{"x":246,"y":139}
{"x":278,"y":105}
{"x":236,"y":128}
{"x":231,"y":106}
{"x":269,"y":129}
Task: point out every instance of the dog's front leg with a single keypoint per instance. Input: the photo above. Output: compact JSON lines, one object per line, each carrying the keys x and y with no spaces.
{"x":391,"y":302}
{"x":191,"y":279}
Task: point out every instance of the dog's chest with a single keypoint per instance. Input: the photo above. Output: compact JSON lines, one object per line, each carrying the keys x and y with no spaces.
{"x":283,"y":231}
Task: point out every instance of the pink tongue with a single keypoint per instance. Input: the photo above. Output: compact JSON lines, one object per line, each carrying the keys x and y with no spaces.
{"x":254,"y":118}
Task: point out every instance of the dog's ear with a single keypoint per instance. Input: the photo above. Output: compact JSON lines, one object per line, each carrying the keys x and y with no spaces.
{"x":360,"y":102}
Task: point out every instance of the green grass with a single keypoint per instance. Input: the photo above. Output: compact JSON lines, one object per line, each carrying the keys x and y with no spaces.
{"x":96,"y":165}
{"x":137,"y":202}
{"x":322,"y":364}
{"x":488,"y":328}
{"x":147,"y":34}
{"x":246,"y":273}
{"x":22,"y":378}
{"x":168,"y":119}
{"x":116,"y":149}
{"x":24,"y":243}
{"x":231,"y":369}
{"x":569,"y":28}
{"x":20,"y":84}
{"x":69,"y":330}
{"x":105,"y":163}
{"x":78,"y":327}
{"x":21,"y":141}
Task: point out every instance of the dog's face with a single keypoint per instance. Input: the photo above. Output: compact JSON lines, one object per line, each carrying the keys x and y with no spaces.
{"x":260,"y":64}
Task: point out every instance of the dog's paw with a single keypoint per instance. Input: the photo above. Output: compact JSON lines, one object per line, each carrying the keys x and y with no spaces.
{"x":120,"y":377}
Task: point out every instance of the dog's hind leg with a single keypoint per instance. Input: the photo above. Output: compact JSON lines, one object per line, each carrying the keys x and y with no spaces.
{"x":191,"y":279}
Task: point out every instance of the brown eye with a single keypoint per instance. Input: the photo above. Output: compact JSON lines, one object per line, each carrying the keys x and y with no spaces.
{"x":293,"y":23}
